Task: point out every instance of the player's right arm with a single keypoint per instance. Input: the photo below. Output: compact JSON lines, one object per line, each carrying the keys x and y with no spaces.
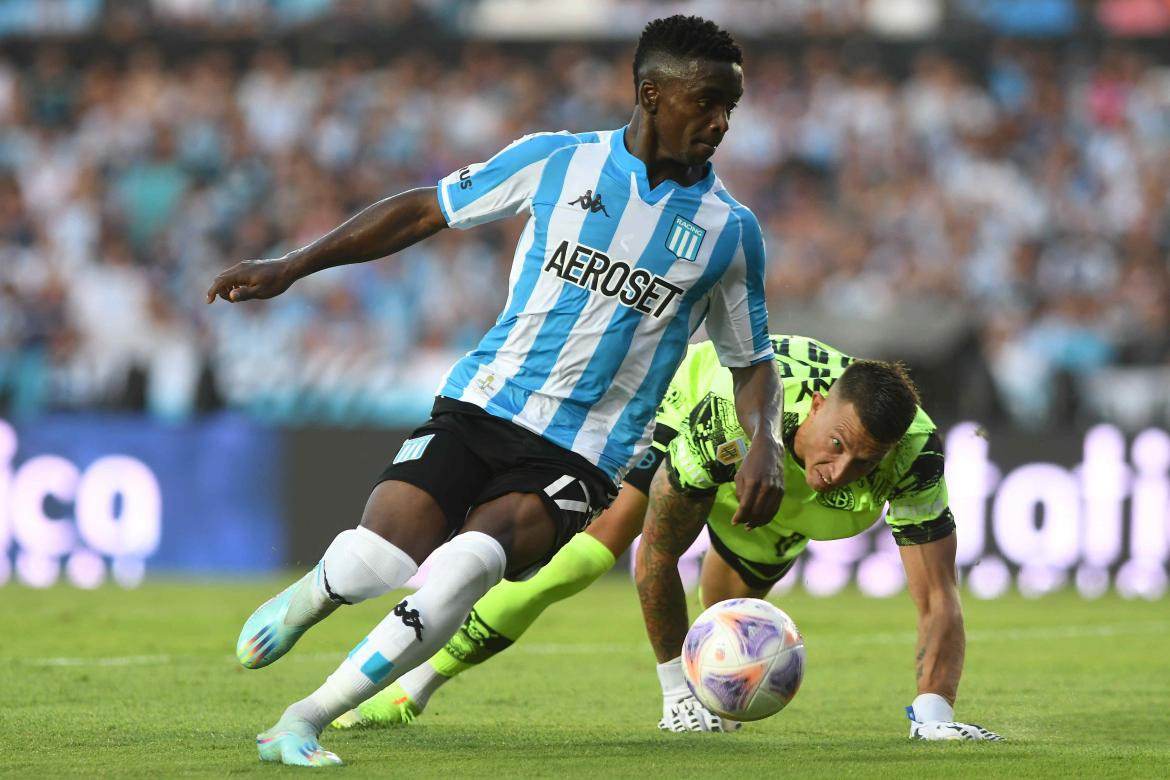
{"x":381,"y":229}
{"x":501,"y":187}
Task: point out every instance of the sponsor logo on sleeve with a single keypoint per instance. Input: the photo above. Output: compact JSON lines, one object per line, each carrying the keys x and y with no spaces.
{"x":730,"y":452}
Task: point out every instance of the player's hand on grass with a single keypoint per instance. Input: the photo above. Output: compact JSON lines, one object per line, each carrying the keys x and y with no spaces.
{"x":252,"y":279}
{"x":932,"y":719}
{"x":759,"y":486}
{"x":688,"y":714}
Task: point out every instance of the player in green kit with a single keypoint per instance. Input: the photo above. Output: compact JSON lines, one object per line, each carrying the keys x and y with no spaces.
{"x":857,"y":448}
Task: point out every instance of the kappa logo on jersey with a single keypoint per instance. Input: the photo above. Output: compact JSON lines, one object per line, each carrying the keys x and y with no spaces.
{"x":684,"y":239}
{"x":412,"y":449}
{"x":591,"y":269}
{"x":589,"y":202}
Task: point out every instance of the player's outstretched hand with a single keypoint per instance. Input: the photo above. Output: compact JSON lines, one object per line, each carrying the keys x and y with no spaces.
{"x":759,"y":486}
{"x":950,"y":730}
{"x":251,"y":279}
{"x":687,"y":714}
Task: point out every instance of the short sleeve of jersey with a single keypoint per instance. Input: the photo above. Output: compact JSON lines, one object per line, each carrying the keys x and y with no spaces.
{"x":501,"y":187}
{"x":919,"y":510}
{"x":737,"y":315}
{"x":705,"y":422}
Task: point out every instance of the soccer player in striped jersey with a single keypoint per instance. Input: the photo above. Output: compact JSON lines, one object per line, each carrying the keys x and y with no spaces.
{"x":631,"y":243}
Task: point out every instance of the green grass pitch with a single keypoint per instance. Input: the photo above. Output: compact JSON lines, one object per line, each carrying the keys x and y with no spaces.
{"x":144,"y":683}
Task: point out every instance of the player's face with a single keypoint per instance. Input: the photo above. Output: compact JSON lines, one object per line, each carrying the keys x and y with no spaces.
{"x":694,"y":110}
{"x":836,"y":448}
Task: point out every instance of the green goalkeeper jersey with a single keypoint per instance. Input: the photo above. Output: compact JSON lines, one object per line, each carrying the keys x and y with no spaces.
{"x":709,"y":445}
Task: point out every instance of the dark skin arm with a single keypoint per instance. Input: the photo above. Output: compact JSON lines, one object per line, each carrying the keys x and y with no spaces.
{"x":759,"y":404}
{"x":381,"y":229}
{"x":942,"y":640}
{"x":672,"y":524}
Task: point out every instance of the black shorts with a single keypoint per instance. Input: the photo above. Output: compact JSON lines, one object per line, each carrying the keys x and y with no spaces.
{"x":464,"y":457}
{"x":642,"y":474}
{"x":755,"y":575}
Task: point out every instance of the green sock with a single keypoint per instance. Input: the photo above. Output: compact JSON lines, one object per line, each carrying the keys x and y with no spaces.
{"x":506,"y":611}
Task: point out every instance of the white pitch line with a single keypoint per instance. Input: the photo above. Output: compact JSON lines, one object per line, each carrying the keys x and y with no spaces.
{"x":1011,"y":634}
{"x":615,"y":648}
{"x":116,"y":660}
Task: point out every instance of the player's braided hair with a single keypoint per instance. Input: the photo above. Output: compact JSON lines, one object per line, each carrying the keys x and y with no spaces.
{"x":884,"y":396}
{"x":685,"y":37}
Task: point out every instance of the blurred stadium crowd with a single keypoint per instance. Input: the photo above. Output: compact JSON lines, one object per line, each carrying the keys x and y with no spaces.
{"x":1017,"y":192}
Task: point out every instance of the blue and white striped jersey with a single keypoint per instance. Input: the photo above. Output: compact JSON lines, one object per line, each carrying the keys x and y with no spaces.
{"x":609,"y":280}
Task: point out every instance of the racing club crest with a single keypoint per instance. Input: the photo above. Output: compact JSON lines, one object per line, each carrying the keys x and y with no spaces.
{"x":684,"y":239}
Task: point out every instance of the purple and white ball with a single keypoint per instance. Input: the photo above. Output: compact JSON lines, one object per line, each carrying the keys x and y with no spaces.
{"x":744,"y":659}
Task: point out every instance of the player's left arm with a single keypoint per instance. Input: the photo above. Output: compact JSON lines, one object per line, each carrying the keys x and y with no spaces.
{"x":737,"y":321}
{"x":942,"y":641}
{"x":924,"y":529}
{"x":759,"y":404}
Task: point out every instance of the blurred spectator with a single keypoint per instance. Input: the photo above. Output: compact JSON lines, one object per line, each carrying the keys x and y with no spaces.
{"x":1021,"y":204}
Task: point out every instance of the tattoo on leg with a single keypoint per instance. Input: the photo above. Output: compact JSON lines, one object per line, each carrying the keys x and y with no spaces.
{"x":920,"y":658}
{"x":672,"y":524}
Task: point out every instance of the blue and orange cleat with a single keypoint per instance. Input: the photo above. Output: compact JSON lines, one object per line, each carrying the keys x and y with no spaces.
{"x":294,"y":741}
{"x":278,"y":623}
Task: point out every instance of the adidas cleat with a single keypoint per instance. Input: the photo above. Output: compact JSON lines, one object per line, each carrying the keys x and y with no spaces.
{"x":278,"y":623}
{"x":388,"y":707}
{"x":292,"y":741}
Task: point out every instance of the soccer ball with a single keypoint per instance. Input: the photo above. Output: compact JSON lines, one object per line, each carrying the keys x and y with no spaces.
{"x":744,"y":659}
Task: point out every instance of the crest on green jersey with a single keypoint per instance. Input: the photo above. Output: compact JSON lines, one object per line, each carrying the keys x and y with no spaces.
{"x":838,"y":498}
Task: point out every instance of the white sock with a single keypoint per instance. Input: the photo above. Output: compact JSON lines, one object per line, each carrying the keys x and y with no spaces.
{"x":361,"y":565}
{"x":462,"y":571}
{"x":672,"y":680}
{"x":421,"y":682}
{"x":929,"y":707}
